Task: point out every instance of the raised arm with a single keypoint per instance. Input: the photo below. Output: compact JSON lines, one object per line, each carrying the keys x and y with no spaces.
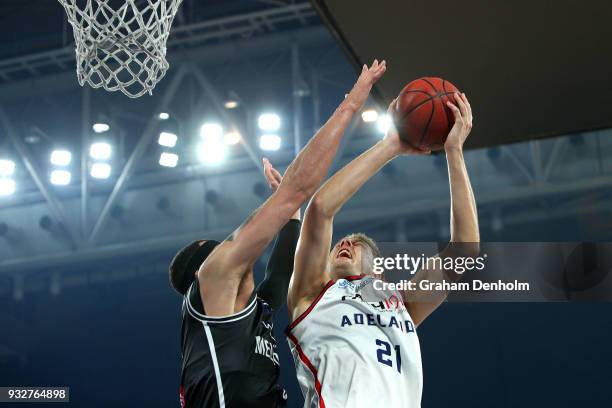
{"x":273,"y":289}
{"x":221,"y":274}
{"x":465,"y":236}
{"x":310,"y":273}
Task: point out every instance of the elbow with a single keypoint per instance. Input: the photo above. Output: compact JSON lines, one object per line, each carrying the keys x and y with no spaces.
{"x":318,"y":207}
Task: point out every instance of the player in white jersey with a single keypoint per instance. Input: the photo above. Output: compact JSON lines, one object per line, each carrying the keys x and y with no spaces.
{"x":353,"y":345}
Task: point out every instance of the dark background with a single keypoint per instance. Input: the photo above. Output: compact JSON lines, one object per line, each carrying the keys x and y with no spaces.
{"x":117,"y":344}
{"x":534,"y":68}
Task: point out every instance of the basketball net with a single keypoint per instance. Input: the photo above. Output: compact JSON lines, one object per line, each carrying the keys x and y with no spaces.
{"x":121,"y":48}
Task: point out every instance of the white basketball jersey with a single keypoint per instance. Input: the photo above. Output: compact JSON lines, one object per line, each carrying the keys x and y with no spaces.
{"x":357,"y":347}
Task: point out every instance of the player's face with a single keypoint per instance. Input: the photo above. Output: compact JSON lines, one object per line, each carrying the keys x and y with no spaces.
{"x":348,"y":257}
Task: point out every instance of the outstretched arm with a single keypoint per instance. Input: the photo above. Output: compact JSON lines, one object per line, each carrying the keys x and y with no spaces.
{"x":465,"y":236}
{"x":273,"y":289}
{"x":317,"y":230}
{"x":224,"y":270}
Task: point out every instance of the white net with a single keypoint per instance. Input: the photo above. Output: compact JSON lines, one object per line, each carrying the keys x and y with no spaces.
{"x":121,"y":45}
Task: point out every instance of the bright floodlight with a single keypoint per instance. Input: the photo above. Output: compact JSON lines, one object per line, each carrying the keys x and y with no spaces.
{"x":211,"y":132}
{"x":269,"y":142}
{"x":269,"y":122}
{"x":369,"y":115}
{"x":61,"y":157}
{"x":384,"y":123}
{"x":211,"y":152}
{"x":168,"y":159}
{"x":101,"y":127}
{"x":164,"y":115}
{"x":167,"y":139}
{"x":212,"y":149}
{"x":7,"y":187}
{"x":60,"y":177}
{"x":100,"y":170}
{"x":100,"y":151}
{"x":7,"y":167}
{"x":232,"y":138}
{"x":231,"y":104}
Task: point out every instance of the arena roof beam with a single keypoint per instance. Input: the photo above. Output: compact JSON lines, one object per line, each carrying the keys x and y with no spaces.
{"x":56,"y":206}
{"x":85,"y":123}
{"x":347,"y":217}
{"x":296,"y":79}
{"x":61,"y":81}
{"x":243,"y":26}
{"x":536,"y":160}
{"x":553,"y":159}
{"x":208,"y":87}
{"x":137,"y":153}
{"x":519,"y":165}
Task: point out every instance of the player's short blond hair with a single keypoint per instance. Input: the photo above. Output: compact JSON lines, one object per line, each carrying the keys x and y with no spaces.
{"x":369,"y":242}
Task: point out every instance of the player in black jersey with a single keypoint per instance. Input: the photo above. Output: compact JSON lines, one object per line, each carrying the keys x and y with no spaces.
{"x":229,"y":353}
{"x":255,"y":320}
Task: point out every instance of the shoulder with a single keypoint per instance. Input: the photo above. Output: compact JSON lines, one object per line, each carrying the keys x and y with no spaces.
{"x":219,"y":265}
{"x":300,"y":306}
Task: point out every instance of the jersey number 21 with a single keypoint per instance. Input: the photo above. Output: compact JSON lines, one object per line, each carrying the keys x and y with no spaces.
{"x":384,"y":354}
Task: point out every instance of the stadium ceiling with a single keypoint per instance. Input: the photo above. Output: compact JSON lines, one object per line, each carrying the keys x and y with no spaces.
{"x":44,"y":60}
{"x":531,"y":68}
{"x":143,"y":208}
{"x":28,"y":27}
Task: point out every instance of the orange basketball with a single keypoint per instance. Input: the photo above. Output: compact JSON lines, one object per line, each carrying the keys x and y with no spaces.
{"x":421,"y":116}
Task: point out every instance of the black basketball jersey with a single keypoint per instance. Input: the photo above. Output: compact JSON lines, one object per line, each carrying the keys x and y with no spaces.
{"x":231,"y":361}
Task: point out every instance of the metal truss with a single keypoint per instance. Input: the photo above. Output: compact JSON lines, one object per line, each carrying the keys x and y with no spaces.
{"x":534,"y":167}
{"x":198,"y":34}
{"x":191,"y":37}
{"x":389,"y":204}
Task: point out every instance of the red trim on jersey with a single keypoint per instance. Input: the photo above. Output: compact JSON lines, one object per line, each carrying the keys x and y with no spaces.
{"x":308,"y":364}
{"x":182,"y":396}
{"x":312,"y":305}
{"x":355,"y":277}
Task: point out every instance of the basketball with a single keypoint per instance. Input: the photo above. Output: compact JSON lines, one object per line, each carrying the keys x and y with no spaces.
{"x":421,"y":115}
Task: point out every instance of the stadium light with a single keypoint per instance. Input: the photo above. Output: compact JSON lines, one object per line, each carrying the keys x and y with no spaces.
{"x":168,"y":159}
{"x":7,"y":167}
{"x":369,"y":115}
{"x":212,"y":152}
{"x":211,"y":131}
{"x":269,"y":122}
{"x":7,"y":187}
{"x":269,"y":142}
{"x":101,"y":127}
{"x":60,"y":177}
{"x":232,"y":138}
{"x":100,"y":151}
{"x":384,"y":123}
{"x":100,"y":170}
{"x":231,"y":104}
{"x":167,"y":139}
{"x":212,"y":149}
{"x":31,"y":139}
{"x":164,"y":116}
{"x":61,"y":157}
